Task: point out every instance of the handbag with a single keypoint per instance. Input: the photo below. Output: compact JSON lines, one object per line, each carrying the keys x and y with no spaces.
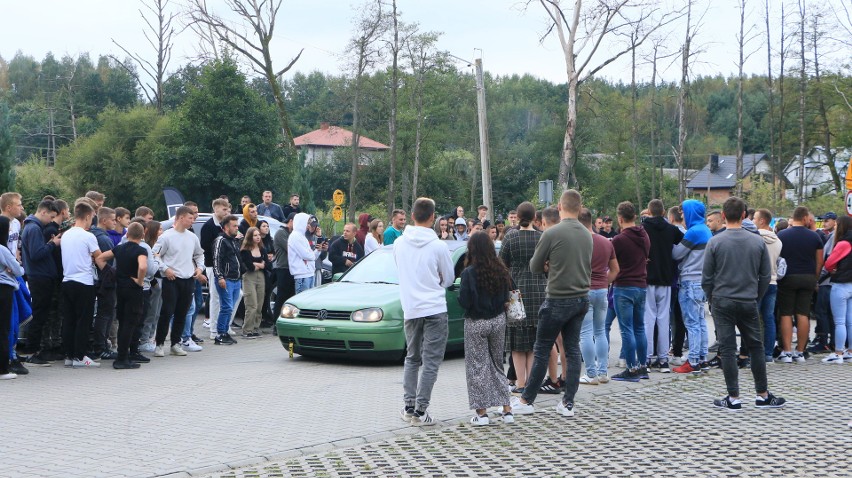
{"x":515,"y":312}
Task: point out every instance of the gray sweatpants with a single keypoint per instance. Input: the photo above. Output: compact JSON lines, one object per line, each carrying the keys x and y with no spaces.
{"x":426,"y":339}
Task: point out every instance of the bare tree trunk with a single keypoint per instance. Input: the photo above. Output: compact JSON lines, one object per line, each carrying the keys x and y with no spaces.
{"x":681,"y":109}
{"x":829,"y":156}
{"x":634,"y":132}
{"x":418,"y":139}
{"x":654,"y":123}
{"x":356,"y":142}
{"x":391,"y":205}
{"x":800,"y":193}
{"x":770,"y":91}
{"x":740,"y":80}
{"x":782,"y":110}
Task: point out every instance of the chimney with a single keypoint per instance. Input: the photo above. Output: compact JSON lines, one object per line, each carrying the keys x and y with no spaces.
{"x":324,"y":125}
{"x":714,"y":163}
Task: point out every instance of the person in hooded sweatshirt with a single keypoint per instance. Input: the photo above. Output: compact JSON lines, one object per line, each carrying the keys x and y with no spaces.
{"x":425,"y":270}
{"x":364,"y":220}
{"x":105,"y":311}
{"x":301,"y":258}
{"x":690,"y":253}
{"x":632,"y":248}
{"x":661,"y":271}
{"x":10,"y":270}
{"x":762,"y":219}
{"x":249,"y":218}
{"x":345,"y":251}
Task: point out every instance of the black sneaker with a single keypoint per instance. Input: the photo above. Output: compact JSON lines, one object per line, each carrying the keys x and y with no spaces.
{"x":16,"y":367}
{"x":124,"y":365}
{"x":38,"y":359}
{"x":743,"y":362}
{"x":819,"y":348}
{"x":643,"y":373}
{"x":224,"y":339}
{"x":728,"y":403}
{"x":109,"y":355}
{"x":196,"y":339}
{"x":138,"y":357}
{"x":664,"y":367}
{"x":626,"y":376}
{"x":654,"y":365}
{"x":771,"y":401}
{"x":231,"y":339}
{"x":549,"y":387}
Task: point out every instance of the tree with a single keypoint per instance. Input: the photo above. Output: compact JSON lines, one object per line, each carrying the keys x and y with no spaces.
{"x":599,"y":20}
{"x":159,"y":35}
{"x":259,"y":17}
{"x":364,"y":51}
{"x":224,"y":139}
{"x":742,"y":40}
{"x":7,"y":150}
{"x":816,"y":35}
{"x":803,"y":82}
{"x":422,"y":57}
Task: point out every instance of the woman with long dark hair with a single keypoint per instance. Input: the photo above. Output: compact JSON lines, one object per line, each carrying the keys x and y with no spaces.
{"x":516,"y":251}
{"x":839,"y":265}
{"x":10,"y":270}
{"x":153,"y":296}
{"x":485,"y":285}
{"x":269,"y":245}
{"x":253,"y":256}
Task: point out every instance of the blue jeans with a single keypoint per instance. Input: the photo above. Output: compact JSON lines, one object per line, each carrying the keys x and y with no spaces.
{"x":841,"y":308}
{"x":767,"y":313}
{"x":593,"y":340}
{"x":304,"y":284}
{"x":196,"y":305}
{"x":555,"y":316}
{"x":692,"y":305}
{"x":630,"y":307}
{"x":610,"y":318}
{"x":228,"y":299}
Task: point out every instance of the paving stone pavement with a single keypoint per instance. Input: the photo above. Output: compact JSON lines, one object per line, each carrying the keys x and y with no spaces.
{"x":667,"y":428}
{"x":231,"y":407}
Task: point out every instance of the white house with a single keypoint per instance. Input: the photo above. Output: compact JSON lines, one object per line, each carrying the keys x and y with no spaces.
{"x":817,"y":175}
{"x":322,"y":144}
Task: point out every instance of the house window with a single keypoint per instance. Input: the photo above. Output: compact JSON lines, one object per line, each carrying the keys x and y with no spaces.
{"x":813,"y":192}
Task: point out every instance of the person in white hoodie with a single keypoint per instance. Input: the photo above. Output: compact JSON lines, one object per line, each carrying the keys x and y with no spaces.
{"x":300,"y":257}
{"x":762,"y":218}
{"x":425,"y":270}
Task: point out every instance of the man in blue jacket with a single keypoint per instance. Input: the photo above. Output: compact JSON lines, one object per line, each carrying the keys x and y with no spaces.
{"x":42,"y":275}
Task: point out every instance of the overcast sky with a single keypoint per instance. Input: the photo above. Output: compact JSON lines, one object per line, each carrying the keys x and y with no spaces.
{"x":506,"y":31}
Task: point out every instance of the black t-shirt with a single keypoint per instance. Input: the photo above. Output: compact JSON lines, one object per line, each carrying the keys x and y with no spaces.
{"x":798,"y":247}
{"x":127,"y":264}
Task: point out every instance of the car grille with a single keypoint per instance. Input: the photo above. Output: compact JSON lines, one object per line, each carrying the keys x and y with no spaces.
{"x":323,"y":343}
{"x":360,"y":345}
{"x":330,"y":314}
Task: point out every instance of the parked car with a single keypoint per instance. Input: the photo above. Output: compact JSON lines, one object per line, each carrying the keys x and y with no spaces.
{"x":359,"y":315}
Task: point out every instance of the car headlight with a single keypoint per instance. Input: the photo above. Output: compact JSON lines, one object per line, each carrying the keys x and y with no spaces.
{"x":289,"y":311}
{"x":367,"y":315}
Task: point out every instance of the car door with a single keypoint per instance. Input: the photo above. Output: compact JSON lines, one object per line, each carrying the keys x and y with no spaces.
{"x":455,"y":313}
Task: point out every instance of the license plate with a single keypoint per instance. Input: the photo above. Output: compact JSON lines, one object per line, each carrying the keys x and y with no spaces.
{"x":318,"y":329}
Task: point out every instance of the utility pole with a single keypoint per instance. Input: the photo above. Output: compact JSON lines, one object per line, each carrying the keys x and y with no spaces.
{"x":483,"y":140}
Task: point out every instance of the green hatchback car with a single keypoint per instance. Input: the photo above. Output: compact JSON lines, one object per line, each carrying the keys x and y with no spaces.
{"x":359,"y":315}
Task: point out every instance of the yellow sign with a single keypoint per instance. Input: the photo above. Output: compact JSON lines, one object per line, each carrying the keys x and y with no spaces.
{"x":338,"y":198}
{"x":337,"y":212}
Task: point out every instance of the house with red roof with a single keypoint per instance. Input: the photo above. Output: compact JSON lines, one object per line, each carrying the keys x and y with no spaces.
{"x":321,"y":145}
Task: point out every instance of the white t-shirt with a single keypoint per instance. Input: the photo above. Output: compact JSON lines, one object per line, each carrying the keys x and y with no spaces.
{"x":14,"y":236}
{"x":370,"y":244}
{"x":78,"y":245}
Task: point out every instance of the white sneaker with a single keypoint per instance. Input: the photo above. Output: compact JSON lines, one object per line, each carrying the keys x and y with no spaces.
{"x":798,"y":357}
{"x":480,"y":420}
{"x":847,"y":356}
{"x":585,"y":379}
{"x":519,"y":408}
{"x":231,"y":331}
{"x":85,"y":363}
{"x":508,"y":417}
{"x":158,"y":351}
{"x":8,"y":376}
{"x":565,"y":411}
{"x":190,"y":346}
{"x":785,"y":357}
{"x":69,"y":362}
{"x":622,"y":363}
{"x":424,"y":420}
{"x":206,"y":323}
{"x":833,"y":358}
{"x":177,"y":350}
{"x":147,"y":347}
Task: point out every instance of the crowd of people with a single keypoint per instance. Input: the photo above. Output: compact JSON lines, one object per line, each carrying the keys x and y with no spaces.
{"x":97,"y":283}
{"x":657,"y":274}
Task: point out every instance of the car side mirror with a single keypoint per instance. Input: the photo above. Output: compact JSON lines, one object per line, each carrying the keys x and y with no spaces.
{"x":336,"y":277}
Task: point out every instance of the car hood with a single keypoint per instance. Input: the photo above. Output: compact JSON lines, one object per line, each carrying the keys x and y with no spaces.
{"x":347,"y":296}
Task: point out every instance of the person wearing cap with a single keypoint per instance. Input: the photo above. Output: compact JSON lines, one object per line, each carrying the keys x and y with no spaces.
{"x":319,"y":243}
{"x":461,"y":229}
{"x":829,"y":221}
{"x":286,"y":285}
{"x":607,"y":230}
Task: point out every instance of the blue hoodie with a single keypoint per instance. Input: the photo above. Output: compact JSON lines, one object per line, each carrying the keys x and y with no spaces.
{"x":36,"y":252}
{"x":690,"y":251}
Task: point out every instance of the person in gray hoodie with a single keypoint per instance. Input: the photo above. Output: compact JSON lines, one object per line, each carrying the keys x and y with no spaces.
{"x":301,"y":257}
{"x":762,"y":218}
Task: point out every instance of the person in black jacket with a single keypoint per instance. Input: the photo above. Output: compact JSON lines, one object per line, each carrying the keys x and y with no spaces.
{"x":661,"y":272}
{"x":105,"y":311}
{"x":485,"y":284}
{"x":227,"y":272}
{"x":209,"y":232}
{"x":345,"y":251}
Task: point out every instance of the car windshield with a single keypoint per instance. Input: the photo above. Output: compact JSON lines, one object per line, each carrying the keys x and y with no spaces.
{"x":377,"y":268}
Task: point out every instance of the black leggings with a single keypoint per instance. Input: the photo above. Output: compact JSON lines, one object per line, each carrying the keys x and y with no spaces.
{"x":129,"y":314}
{"x":7,"y":295}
